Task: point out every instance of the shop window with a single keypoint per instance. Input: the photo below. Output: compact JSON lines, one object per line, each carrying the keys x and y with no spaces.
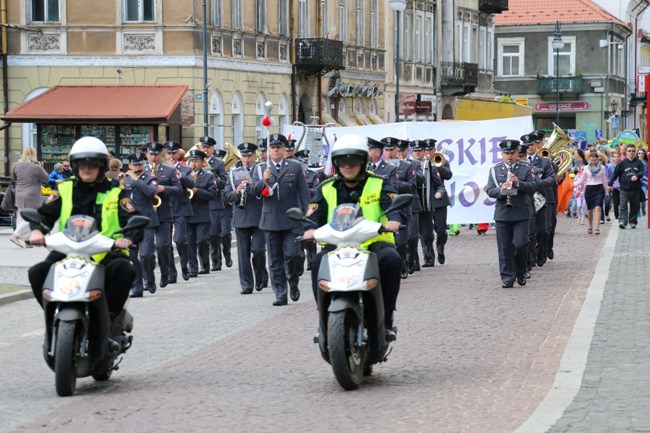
{"x":43,"y":11}
{"x":139,"y":10}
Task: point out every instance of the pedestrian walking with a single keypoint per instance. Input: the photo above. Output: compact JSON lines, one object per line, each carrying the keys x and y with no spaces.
{"x":29,"y":175}
{"x":629,"y":172}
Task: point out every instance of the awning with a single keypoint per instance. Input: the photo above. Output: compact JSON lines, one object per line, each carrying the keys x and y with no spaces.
{"x":346,"y":120}
{"x":363,"y":119}
{"x":375,"y":119}
{"x":327,"y":118}
{"x":102,"y":104}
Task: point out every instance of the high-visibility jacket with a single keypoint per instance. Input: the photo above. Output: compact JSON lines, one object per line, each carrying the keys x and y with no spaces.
{"x":370,"y":205}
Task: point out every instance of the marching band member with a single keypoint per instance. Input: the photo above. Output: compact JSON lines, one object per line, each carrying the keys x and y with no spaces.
{"x":406,"y":182}
{"x":142,"y":188}
{"x":216,"y":207}
{"x":282,"y":185}
{"x":426,"y":196}
{"x":545,"y":175}
{"x":168,"y":186}
{"x":182,"y":209}
{"x":204,"y":193}
{"x":440,"y":203}
{"x":509,"y":183}
{"x":247,"y":211}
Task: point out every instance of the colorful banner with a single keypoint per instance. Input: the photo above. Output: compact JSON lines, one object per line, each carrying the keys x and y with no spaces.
{"x":471,"y":147}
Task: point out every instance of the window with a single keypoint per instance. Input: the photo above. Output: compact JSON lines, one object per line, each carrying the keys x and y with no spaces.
{"x":419,"y":38}
{"x":567,"y":57}
{"x":260,"y":16}
{"x":325,"y":19}
{"x":511,"y":57}
{"x":407,"y":36}
{"x":44,"y":11}
{"x":139,"y":10}
{"x":236,"y":14}
{"x":303,"y":23}
{"x":217,"y":13}
{"x":490,"y":50}
{"x":428,"y":38}
{"x":360,"y":22}
{"x":374,"y":35}
{"x":283,"y":13}
{"x":482,"y":49}
{"x":343,"y":21}
{"x":216,"y":117}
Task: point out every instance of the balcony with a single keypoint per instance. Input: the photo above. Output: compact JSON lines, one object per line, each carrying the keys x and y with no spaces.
{"x":566,"y":84}
{"x":492,"y":6}
{"x":637,"y":99}
{"x":318,"y":56}
{"x":457,"y":79}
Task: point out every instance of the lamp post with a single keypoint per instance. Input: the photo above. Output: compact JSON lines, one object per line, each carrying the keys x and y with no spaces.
{"x":398,"y":6}
{"x":557,"y":45}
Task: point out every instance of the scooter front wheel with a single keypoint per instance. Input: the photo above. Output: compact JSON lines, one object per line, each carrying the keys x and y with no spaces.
{"x":346,"y":357}
{"x":65,"y":358}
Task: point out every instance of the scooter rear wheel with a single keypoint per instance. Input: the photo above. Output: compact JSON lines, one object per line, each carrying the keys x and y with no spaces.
{"x":65,"y":358}
{"x":346,"y":357}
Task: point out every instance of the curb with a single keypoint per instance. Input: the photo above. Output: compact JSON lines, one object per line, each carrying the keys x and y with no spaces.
{"x":18,"y":295}
{"x":568,"y":378}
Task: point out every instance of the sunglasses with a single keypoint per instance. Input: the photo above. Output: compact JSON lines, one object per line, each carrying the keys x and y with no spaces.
{"x":88,"y":164}
{"x":348,"y":161}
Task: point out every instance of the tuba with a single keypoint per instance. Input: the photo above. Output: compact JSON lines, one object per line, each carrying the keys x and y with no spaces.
{"x":555,"y":149}
{"x":232,"y":156}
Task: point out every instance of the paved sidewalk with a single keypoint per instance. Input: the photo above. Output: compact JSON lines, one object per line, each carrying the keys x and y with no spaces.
{"x":603,"y":382}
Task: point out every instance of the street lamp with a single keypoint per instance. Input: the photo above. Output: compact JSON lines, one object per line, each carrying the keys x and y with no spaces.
{"x":557,"y":45}
{"x":398,"y":6}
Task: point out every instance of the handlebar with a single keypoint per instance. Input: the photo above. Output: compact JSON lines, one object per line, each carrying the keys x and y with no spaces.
{"x":382,"y":229}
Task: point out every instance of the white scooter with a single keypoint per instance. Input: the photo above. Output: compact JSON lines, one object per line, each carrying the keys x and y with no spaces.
{"x":350,"y":302}
{"x":80,"y":339}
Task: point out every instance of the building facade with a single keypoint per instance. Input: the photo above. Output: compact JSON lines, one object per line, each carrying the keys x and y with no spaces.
{"x":587,"y":74}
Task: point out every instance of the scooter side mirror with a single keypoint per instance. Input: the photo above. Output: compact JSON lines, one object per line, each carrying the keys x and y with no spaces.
{"x":296,"y":214}
{"x":32,"y":216}
{"x":399,"y":202}
{"x":134,"y":223}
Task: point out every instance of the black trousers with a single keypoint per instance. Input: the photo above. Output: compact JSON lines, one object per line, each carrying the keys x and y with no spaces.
{"x":389,"y":272}
{"x":426,"y":235}
{"x":511,"y":242}
{"x":285,"y":257}
{"x":440,"y":226}
{"x":251,"y":256}
{"x":118,"y":277}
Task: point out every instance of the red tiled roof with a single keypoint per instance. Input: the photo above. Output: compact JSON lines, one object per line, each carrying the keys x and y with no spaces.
{"x":101,"y":104}
{"x":523,"y":12}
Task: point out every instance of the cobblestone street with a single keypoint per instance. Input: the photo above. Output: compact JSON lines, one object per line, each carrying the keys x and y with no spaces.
{"x":470,"y":356}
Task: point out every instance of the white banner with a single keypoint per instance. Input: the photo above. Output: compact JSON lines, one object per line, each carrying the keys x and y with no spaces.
{"x":471,"y":147}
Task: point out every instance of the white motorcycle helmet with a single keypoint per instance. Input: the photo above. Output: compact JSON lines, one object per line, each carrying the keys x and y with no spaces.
{"x":351,"y":145}
{"x":88,"y":148}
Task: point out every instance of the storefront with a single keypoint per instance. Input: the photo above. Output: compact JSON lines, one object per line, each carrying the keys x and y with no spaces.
{"x":123,"y":117}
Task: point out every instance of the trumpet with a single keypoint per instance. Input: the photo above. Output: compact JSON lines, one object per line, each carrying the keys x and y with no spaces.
{"x":438,"y":159}
{"x":189,"y":192}
{"x":555,"y":149}
{"x":157,"y":201}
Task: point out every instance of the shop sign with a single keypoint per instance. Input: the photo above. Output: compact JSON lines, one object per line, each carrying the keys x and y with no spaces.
{"x":407,"y":103}
{"x":346,"y":90}
{"x":549,"y":107}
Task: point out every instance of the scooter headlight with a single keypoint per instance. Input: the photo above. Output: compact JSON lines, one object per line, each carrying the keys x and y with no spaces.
{"x":346,"y":276}
{"x":67,"y":286}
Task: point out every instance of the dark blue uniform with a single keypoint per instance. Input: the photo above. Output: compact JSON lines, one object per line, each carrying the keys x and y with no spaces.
{"x":167,"y":177}
{"x":247,"y":213}
{"x":142,"y":192}
{"x":182,"y":209}
{"x":200,"y":222}
{"x":511,"y":217}
{"x":287,"y":188}
{"x":217,"y":209}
